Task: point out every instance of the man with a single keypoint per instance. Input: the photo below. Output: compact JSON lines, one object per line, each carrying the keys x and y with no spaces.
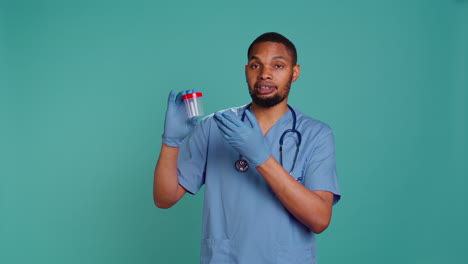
{"x":262,"y":204}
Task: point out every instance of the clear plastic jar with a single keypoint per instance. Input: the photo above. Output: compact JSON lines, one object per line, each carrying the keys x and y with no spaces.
{"x":193,"y":104}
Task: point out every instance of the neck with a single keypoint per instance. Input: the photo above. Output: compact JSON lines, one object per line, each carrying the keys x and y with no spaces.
{"x":267,"y":117}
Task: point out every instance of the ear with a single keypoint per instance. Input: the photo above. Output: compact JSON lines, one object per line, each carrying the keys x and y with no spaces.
{"x":296,"y":72}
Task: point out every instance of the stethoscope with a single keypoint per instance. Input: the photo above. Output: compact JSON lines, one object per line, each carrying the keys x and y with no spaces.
{"x":242,"y":165}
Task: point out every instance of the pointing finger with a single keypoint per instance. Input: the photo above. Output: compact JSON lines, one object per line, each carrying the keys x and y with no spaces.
{"x":220,"y":123}
{"x":233,"y":118}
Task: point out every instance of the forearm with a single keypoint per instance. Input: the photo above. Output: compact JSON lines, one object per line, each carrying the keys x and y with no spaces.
{"x":166,"y":188}
{"x":312,"y":208}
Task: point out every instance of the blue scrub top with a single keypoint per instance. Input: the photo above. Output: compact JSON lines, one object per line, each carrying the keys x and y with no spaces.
{"x":243,"y":220}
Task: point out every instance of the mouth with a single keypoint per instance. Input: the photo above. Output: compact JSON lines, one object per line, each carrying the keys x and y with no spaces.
{"x":264,"y":88}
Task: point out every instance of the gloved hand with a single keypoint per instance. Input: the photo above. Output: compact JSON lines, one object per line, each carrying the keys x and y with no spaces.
{"x":177,"y":124}
{"x":245,"y":138}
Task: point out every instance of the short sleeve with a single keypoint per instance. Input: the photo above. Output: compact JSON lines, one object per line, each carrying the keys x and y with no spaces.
{"x":320,"y":172}
{"x":191,"y":162}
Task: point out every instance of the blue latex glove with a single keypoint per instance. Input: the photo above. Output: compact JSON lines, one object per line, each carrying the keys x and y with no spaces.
{"x":246,"y":138}
{"x":177,"y":124}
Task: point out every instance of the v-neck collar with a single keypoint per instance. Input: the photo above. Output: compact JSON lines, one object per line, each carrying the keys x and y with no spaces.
{"x":286,"y":117}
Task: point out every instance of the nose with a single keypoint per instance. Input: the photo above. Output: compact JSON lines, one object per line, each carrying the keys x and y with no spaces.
{"x":265,"y":74}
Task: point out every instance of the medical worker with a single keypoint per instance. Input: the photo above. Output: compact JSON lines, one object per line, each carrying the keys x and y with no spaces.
{"x":268,"y":169}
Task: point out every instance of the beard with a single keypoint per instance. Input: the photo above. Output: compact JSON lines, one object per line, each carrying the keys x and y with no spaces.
{"x":270,"y":101}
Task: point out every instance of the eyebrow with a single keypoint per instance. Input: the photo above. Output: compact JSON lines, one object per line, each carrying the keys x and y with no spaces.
{"x":275,"y":58}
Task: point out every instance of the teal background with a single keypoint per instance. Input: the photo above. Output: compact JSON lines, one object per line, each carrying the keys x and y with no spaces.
{"x":83,"y":96}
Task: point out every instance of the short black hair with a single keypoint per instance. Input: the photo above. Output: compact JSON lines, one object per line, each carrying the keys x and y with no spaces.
{"x":278,"y":38}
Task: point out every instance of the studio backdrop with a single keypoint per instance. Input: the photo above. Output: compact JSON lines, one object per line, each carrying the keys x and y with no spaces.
{"x":84,"y":86}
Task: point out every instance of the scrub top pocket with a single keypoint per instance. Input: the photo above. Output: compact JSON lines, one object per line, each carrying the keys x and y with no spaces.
{"x":294,"y":254}
{"x":216,"y":251}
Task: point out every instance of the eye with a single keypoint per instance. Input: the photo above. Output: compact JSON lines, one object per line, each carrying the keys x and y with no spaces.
{"x":254,"y":66}
{"x":279,"y":66}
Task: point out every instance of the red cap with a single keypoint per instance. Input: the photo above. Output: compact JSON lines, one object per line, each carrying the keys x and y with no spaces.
{"x":192,"y":95}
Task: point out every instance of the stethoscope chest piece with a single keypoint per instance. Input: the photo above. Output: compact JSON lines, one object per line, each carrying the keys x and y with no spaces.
{"x":242,"y":165}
